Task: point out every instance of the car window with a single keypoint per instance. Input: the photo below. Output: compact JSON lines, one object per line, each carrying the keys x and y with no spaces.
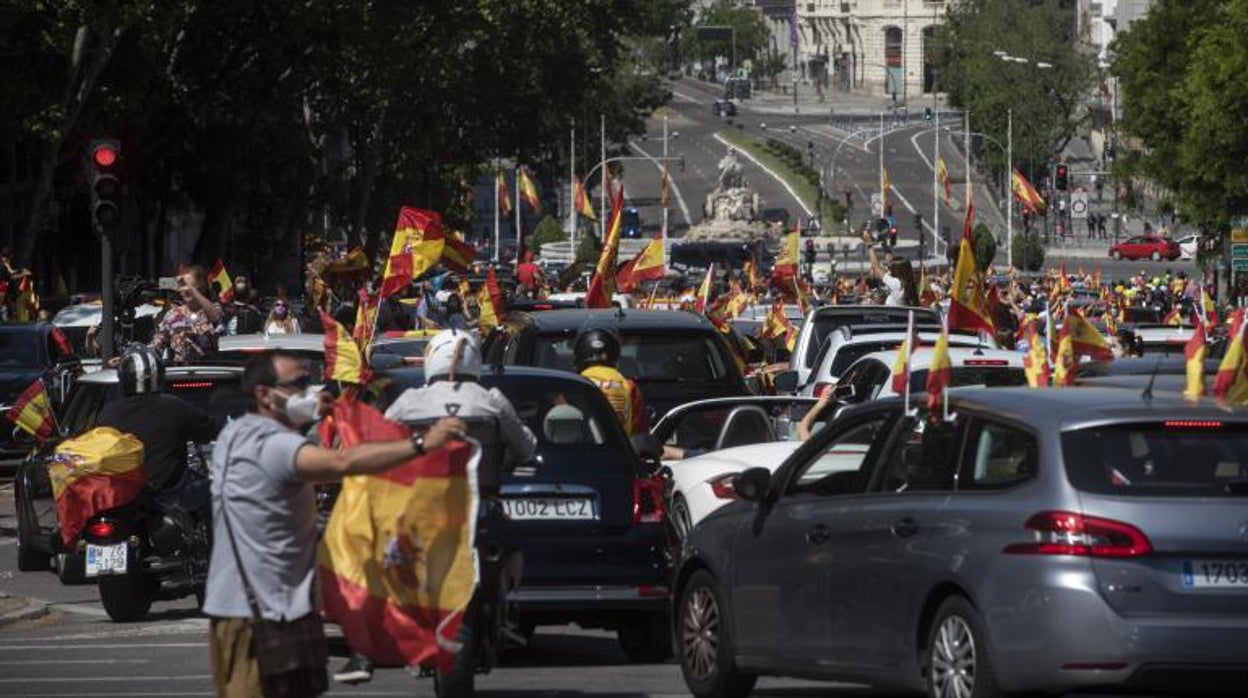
{"x":663,"y":358}
{"x":21,"y":349}
{"x":974,"y":376}
{"x":997,"y":456}
{"x":84,"y":405}
{"x":1181,"y":458}
{"x":563,"y":414}
{"x":841,"y":465}
{"x":923,"y":458}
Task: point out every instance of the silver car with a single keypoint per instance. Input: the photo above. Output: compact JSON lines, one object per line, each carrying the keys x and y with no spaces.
{"x":1036,"y":540}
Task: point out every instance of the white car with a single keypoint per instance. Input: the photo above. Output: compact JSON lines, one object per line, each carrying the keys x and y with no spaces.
{"x":820,"y":322}
{"x":619,"y":300}
{"x":238,"y":348}
{"x":846,"y":345}
{"x":871,"y":377}
{"x":1188,"y":246}
{"x":1162,"y":339}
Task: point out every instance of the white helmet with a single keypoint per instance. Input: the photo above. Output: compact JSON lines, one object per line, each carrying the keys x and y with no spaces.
{"x":453,"y":355}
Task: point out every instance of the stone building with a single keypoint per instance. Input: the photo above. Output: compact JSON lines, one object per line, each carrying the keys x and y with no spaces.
{"x":874,"y":46}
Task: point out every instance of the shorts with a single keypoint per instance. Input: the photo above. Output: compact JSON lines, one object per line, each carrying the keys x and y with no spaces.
{"x":236,"y":673}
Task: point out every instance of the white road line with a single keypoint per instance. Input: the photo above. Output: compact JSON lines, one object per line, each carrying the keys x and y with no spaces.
{"x":775,"y":176}
{"x":7,"y":541}
{"x":84,"y":679}
{"x":111,"y":646}
{"x":685,"y":97}
{"x":680,"y":200}
{"x":33,"y":662}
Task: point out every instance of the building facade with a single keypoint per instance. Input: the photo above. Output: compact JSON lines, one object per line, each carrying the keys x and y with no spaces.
{"x":879,"y":47}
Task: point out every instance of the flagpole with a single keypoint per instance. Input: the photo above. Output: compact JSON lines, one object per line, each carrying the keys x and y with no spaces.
{"x":966,"y":147}
{"x":945,"y":391}
{"x":602,"y":191}
{"x":883,"y":194}
{"x":908,"y":345}
{"x":519,"y":204}
{"x":936,"y":189}
{"x":497,"y":215}
{"x":1009,"y":186}
{"x":664,"y":190}
{"x":572,"y":190}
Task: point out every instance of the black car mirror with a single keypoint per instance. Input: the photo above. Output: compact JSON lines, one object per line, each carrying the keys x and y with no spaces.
{"x":752,"y":484}
{"x":785,"y":382}
{"x":648,"y":449}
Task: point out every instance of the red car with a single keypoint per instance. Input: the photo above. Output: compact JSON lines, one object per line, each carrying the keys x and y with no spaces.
{"x":1154,"y":247}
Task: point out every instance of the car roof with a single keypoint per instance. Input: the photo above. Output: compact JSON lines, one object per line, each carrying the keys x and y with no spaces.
{"x":891,"y":310}
{"x":309,"y":342}
{"x":108,"y":376}
{"x":514,"y":371}
{"x":624,"y":320}
{"x":958,"y":338}
{"x":922,"y":358}
{"x":1057,"y":407}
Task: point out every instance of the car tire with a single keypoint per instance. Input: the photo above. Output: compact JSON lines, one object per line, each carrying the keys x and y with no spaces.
{"x":126,"y":597}
{"x":1155,"y":256}
{"x":28,"y":559}
{"x":957,"y":651}
{"x":682,"y":523}
{"x":646,"y":638}
{"x":704,"y":635}
{"x":459,"y":681}
{"x":1116,"y":254}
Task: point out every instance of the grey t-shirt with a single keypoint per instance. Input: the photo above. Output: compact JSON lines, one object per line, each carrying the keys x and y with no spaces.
{"x":273,"y":516}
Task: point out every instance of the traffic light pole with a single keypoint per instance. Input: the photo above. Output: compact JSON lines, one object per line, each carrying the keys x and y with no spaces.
{"x":108,"y":312}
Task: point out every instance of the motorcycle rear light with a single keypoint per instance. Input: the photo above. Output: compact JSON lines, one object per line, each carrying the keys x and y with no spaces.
{"x":822,"y":388}
{"x":723,"y":487}
{"x":648,"y":501}
{"x":101,"y":529}
{"x":1067,"y":533}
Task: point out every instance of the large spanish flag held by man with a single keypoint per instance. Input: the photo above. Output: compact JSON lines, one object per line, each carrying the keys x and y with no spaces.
{"x":968,"y":306}
{"x":489,"y":303}
{"x":219,"y":276}
{"x":788,"y":258}
{"x":101,"y":469}
{"x":602,"y":286}
{"x":1230,"y":386}
{"x":397,"y":563}
{"x":32,"y":412}
{"x":529,"y":193}
{"x":583,"y":206}
{"x":1025,"y":193}
{"x":1194,"y":352}
{"x":646,"y":266}
{"x":343,"y":360}
{"x":416,"y":247}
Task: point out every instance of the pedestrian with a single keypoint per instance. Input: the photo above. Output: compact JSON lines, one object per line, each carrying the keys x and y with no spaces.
{"x":281,"y":320}
{"x":242,"y":316}
{"x":264,"y":526}
{"x":897,"y":278}
{"x":189,"y":330}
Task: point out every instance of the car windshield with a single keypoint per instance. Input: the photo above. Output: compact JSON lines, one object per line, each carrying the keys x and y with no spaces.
{"x":563,"y":413}
{"x":656,"y":358}
{"x":21,"y":349}
{"x":825,"y":323}
{"x":1176,"y":458}
{"x":974,"y":376}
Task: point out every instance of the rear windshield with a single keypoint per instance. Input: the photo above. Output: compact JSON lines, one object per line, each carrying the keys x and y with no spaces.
{"x":974,"y":376}
{"x":1180,"y":458}
{"x":824,"y":323}
{"x":654,"y":358}
{"x":20,"y":349}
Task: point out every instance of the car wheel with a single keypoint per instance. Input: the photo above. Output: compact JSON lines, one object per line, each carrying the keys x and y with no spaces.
{"x":1155,"y":256}
{"x":959,"y":662}
{"x":681,"y":521}
{"x":705,"y":641}
{"x":28,"y":559}
{"x":1116,"y":254}
{"x":646,"y":638}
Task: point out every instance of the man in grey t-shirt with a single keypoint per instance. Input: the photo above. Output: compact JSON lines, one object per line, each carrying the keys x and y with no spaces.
{"x":262,"y":475}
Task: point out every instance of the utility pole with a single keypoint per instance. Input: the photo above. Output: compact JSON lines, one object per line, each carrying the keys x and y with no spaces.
{"x":966,"y":146}
{"x":883,"y":194}
{"x":572,"y":191}
{"x":1009,"y":186}
{"x":498,"y":173}
{"x":602,"y":191}
{"x":664,"y":185}
{"x":935,"y":178}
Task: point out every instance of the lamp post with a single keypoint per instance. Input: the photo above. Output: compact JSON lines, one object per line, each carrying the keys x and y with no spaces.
{"x":1009,"y":156}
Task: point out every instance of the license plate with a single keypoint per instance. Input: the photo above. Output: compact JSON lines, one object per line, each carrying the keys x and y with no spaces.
{"x":1215,"y":574}
{"x":106,"y":559}
{"x":557,"y":508}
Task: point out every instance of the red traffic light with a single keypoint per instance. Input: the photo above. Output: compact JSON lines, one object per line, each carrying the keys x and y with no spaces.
{"x":104,"y":155}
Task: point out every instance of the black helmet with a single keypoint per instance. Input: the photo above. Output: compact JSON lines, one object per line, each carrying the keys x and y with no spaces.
{"x":596,"y":346}
{"x":140,"y":371}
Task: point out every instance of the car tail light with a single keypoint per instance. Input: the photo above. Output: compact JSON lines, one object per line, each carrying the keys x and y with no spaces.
{"x":985,"y":362}
{"x":647,"y":501}
{"x":821,"y":388}
{"x":723,"y":486}
{"x":1193,"y":424}
{"x":190,"y":385}
{"x":1067,"y":533}
{"x":101,"y":529}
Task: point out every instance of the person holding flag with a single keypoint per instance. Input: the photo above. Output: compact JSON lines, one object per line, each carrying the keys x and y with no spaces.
{"x":189,"y":330}
{"x":898,"y":278}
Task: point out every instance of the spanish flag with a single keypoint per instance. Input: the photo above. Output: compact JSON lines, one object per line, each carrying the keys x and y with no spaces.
{"x":646,"y":266}
{"x":1194,"y":352}
{"x":32,"y":412}
{"x":365,"y":318}
{"x":1085,"y":340}
{"x":457,"y":255}
{"x":704,"y":291}
{"x":489,"y":303}
{"x":397,"y":563}
{"x":1025,"y":193}
{"x":583,"y":206}
{"x":1065,"y":361}
{"x":354,"y":264}
{"x":777,"y":325}
{"x":1036,"y":361}
{"x":504,"y":197}
{"x":739,"y":302}
{"x":901,"y":366}
{"x":343,"y":360}
{"x":529,"y":193}
{"x":751,"y":275}
{"x":942,"y":173}
{"x":884,"y":187}
{"x":1230,"y":386}
{"x":602,"y":286}
{"x":225,"y":287}
{"x":968,"y":309}
{"x":417,"y":246}
{"x":939,"y":373}
{"x":788,"y":259}
{"x":1210,"y":308}
{"x":101,"y":469}
{"x":1174,"y":317}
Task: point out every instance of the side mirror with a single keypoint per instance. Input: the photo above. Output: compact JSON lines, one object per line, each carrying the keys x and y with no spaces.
{"x":648,"y":450}
{"x":844,"y":392}
{"x":785,"y":382}
{"x":752,"y":484}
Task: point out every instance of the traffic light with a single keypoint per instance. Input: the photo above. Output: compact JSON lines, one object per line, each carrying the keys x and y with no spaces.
{"x":928,"y":113}
{"x":1061,"y":177}
{"x":918,"y":223}
{"x":103,"y":170}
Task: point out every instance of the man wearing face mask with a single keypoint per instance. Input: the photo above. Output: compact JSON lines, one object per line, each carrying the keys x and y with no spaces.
{"x":264,"y":519}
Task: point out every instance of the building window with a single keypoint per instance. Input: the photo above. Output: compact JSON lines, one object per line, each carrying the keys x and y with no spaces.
{"x":892,"y":47}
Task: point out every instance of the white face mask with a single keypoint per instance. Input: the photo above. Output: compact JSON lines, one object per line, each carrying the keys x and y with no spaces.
{"x":301,"y":408}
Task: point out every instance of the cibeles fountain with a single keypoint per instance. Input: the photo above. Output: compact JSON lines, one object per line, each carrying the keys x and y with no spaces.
{"x":731,"y":208}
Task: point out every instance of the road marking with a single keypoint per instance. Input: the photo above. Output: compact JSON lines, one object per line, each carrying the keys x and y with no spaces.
{"x":110,"y":646}
{"x":764,"y":168}
{"x":7,"y":541}
{"x":32,"y":662}
{"x":680,"y":200}
{"x":84,"y":679}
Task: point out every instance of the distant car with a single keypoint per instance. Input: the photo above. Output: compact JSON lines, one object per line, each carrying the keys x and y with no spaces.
{"x":724,"y":107}
{"x":30,"y":353}
{"x":237,"y":349}
{"x":822,"y":321}
{"x":871,"y":377}
{"x":1154,"y":247}
{"x":777,"y":215}
{"x":1189,"y":245}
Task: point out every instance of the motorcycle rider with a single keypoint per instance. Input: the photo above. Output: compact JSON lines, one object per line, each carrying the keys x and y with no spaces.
{"x":596,"y":354}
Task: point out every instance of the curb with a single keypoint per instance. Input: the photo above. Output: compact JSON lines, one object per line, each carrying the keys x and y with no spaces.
{"x":35,"y":608}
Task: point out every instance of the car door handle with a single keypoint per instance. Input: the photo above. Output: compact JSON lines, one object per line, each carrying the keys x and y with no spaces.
{"x":905,"y":528}
{"x":818,"y":535}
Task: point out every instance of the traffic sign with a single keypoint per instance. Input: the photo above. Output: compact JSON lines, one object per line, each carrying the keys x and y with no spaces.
{"x":877,"y":205}
{"x":1079,"y":203}
{"x":1239,"y":250}
{"x":1239,"y":264}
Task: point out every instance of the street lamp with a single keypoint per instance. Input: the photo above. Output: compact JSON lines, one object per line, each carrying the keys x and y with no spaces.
{"x":1009,"y":157}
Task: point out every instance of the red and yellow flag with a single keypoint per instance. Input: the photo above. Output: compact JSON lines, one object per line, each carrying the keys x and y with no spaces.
{"x":343,"y":360}
{"x":704,"y":291}
{"x":489,"y":303}
{"x":901,"y":366}
{"x":751,"y":275}
{"x":942,"y":173}
{"x":788,"y":258}
{"x":457,"y":255}
{"x":646,"y":266}
{"x":939,"y":373}
{"x":1230,"y":386}
{"x":101,"y":469}
{"x":1025,"y":193}
{"x":583,"y":206}
{"x":32,"y":412}
{"x":504,"y":197}
{"x":529,"y":193}
{"x":1174,"y":317}
{"x":1036,"y":360}
{"x":218,"y":275}
{"x":417,"y":245}
{"x":353,"y":265}
{"x":1194,"y":352}
{"x":1084,"y":338}
{"x":884,"y":189}
{"x":397,"y":563}
{"x":602,"y":286}
{"x":777,"y":325}
{"x":968,"y":308}
{"x":365,"y":319}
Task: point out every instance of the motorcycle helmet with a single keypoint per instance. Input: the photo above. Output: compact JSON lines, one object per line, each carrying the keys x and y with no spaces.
{"x":596,"y":346}
{"x":453,"y":355}
{"x":140,"y":371}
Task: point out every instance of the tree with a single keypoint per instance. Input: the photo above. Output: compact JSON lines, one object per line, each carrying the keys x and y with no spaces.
{"x":985,"y":244}
{"x":751,"y":34}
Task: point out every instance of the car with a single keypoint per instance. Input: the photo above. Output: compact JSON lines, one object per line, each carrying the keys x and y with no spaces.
{"x":589,"y":515}
{"x":674,"y":356}
{"x":848,"y":343}
{"x":1159,"y":338}
{"x":1189,"y":245}
{"x":400,"y":343}
{"x":237,"y":349}
{"x":29,"y":353}
{"x":820,"y":322}
{"x":214,"y":389}
{"x":571,"y":299}
{"x":724,"y":107}
{"x":1154,"y":247}
{"x":871,"y":377}
{"x":630,"y":223}
{"x":777,"y":216}
{"x":1041,"y":541}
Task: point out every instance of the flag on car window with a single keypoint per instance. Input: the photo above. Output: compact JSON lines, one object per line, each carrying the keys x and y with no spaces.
{"x":32,"y":412}
{"x":101,"y":469}
{"x":602,"y":286}
{"x":939,"y":373}
{"x":343,"y":359}
{"x":397,"y":563}
{"x":901,"y":367}
{"x":1194,"y":352}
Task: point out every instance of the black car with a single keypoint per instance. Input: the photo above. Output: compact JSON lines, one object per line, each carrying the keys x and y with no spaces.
{"x":724,"y":107}
{"x":212,"y":389}
{"x":675,"y":357}
{"x":30,"y":353}
{"x":589,"y":516}
{"x":779,"y":216}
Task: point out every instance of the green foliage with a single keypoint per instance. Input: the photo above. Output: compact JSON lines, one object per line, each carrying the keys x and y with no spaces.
{"x":751,"y":34}
{"x":548,"y":230}
{"x":985,"y":246}
{"x":1028,"y":252}
{"x":588,"y":249}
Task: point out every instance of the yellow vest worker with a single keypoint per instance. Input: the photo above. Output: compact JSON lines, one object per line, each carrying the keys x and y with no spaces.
{"x":597,"y":352}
